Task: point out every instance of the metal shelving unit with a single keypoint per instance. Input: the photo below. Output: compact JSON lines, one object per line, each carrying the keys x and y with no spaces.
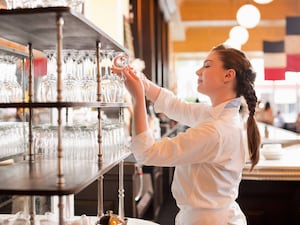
{"x":57,"y":28}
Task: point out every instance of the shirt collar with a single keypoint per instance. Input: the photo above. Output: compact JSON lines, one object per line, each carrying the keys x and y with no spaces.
{"x":231,"y":104}
{"x":234,"y":103}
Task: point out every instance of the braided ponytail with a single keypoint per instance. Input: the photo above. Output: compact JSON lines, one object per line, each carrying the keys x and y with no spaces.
{"x":253,"y":135}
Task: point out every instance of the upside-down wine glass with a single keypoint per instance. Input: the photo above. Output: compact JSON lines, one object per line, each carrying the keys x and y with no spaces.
{"x":107,"y":80}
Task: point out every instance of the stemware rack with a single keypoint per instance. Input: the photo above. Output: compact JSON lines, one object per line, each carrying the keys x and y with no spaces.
{"x":57,"y":28}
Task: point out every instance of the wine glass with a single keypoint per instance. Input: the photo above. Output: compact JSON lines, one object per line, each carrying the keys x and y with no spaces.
{"x":70,"y":83}
{"x":77,"y":5}
{"x":108,"y":84}
{"x":10,"y":4}
{"x":11,"y":90}
{"x":47,"y":90}
{"x":120,"y":61}
{"x":88,"y":78}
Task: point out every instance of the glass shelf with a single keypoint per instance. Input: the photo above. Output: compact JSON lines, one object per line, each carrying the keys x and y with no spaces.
{"x":40,"y":176}
{"x":38,"y":27}
{"x":63,"y":105}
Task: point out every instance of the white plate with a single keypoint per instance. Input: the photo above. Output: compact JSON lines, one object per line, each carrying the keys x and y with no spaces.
{"x":272,"y":155}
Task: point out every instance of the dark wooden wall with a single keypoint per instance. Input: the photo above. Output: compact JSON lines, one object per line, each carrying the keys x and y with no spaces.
{"x":151,"y":39}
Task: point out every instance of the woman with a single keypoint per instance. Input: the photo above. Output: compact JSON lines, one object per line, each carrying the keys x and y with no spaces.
{"x":209,"y":157}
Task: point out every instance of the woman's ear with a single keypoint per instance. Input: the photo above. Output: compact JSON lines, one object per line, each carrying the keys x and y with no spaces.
{"x":230,"y":75}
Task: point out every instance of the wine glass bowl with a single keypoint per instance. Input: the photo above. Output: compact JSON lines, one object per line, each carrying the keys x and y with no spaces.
{"x":121,"y":60}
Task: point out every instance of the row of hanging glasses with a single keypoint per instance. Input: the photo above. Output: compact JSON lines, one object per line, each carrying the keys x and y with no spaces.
{"x":16,"y":145}
{"x":20,"y":218}
{"x":74,"y":4}
{"x":79,"y":77}
{"x":80,"y":142}
{"x":49,"y":218}
{"x":10,"y":89}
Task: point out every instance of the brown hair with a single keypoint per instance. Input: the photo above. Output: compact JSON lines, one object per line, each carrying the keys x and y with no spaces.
{"x":245,"y":77}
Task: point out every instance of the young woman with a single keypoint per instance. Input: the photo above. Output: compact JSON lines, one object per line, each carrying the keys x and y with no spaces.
{"x":209,"y":156}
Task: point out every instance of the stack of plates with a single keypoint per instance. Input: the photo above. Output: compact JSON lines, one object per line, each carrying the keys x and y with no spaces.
{"x":272,"y":151}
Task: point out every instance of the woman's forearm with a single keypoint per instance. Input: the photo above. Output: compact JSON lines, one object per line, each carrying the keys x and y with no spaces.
{"x":140,"y":120}
{"x":152,"y":90}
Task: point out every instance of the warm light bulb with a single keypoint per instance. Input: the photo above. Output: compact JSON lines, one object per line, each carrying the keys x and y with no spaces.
{"x":263,"y":1}
{"x":248,"y":16}
{"x":239,"y":34}
{"x":233,"y":44}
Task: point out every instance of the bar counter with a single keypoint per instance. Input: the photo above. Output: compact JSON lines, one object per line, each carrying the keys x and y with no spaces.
{"x":270,"y":193}
{"x":285,"y":168}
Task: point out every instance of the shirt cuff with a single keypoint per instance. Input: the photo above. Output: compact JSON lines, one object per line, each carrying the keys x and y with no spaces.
{"x":140,"y":143}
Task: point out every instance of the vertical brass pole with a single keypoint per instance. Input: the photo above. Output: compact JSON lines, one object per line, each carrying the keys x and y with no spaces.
{"x":60,"y":23}
{"x":100,"y":153}
{"x":98,"y":58}
{"x":100,"y":212}
{"x":60,"y":173}
{"x":30,"y":77}
{"x":30,"y":100}
{"x":24,"y":109}
{"x":121,"y":189}
{"x":23,"y":81}
{"x":121,"y":168}
{"x":31,"y":209}
{"x":61,"y":210}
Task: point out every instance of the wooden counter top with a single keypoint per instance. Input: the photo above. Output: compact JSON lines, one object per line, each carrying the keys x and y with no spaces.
{"x":286,"y":168}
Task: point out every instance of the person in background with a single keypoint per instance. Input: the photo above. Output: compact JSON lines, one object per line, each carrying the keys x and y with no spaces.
{"x":266,"y":114}
{"x":209,"y":157}
{"x":297,"y":127}
{"x":279,"y":120}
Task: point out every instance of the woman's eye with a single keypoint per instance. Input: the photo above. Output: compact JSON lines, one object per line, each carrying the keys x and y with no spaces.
{"x":206,"y":66}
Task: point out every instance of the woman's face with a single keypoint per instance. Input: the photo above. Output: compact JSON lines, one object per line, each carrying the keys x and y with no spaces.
{"x":211,"y":75}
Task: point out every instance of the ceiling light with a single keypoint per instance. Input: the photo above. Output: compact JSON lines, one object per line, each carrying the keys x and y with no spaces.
{"x":248,"y":16}
{"x":239,"y":34}
{"x":233,"y":44}
{"x":263,"y":1}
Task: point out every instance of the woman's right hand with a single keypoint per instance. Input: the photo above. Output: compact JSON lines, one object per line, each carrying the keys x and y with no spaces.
{"x":132,"y":82}
{"x":150,"y":89}
{"x":136,"y":88}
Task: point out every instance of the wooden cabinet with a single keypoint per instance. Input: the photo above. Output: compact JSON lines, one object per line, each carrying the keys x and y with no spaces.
{"x":86,"y":200}
{"x":270,"y":202}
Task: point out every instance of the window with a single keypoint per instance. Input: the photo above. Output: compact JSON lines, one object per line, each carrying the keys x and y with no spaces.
{"x":283,"y":95}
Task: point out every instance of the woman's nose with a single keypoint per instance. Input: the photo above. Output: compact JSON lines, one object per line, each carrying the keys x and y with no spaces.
{"x":198,"y":72}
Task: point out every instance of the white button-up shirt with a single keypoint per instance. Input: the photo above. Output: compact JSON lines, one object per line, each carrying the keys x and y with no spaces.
{"x":208,"y":159}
